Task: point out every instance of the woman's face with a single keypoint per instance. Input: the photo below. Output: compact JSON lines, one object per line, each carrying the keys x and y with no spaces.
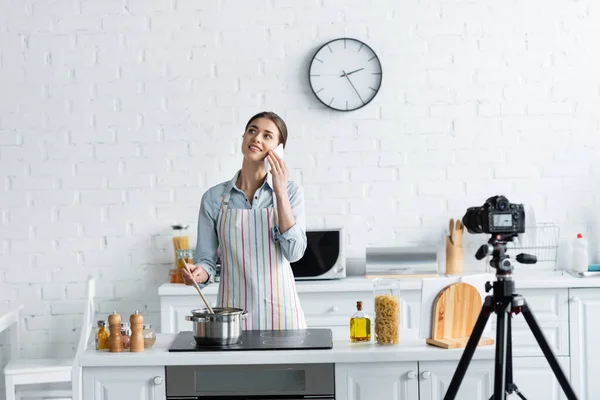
{"x":261,"y":137}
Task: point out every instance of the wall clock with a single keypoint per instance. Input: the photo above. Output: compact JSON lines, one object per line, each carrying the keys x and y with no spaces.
{"x":345,"y":74}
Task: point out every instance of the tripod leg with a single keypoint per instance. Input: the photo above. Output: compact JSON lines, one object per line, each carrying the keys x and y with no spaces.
{"x":502,"y":313}
{"x":511,"y":387}
{"x":465,"y":359}
{"x":539,"y":337}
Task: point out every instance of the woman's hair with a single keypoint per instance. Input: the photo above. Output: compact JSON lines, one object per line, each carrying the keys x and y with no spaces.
{"x":276,"y":119}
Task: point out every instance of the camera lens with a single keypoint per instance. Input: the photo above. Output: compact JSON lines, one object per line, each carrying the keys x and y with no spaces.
{"x":472,"y":220}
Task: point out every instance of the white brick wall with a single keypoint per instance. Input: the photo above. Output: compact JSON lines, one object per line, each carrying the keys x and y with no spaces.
{"x":116,"y":116}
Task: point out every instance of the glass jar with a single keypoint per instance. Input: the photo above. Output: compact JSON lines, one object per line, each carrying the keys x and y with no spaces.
{"x":102,"y":336}
{"x":149,"y":336}
{"x":387,"y":310}
{"x":185,"y":255}
{"x":126,"y":334}
{"x":181,"y":241}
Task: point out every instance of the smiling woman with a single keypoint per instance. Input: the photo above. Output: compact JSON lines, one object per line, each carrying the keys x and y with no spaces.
{"x":256,"y":223}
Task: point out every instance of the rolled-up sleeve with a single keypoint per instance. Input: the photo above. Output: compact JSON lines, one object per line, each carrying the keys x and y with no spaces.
{"x":207,"y":241}
{"x":293,"y":241}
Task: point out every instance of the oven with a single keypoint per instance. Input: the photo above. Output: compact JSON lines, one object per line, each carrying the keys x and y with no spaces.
{"x":324,"y":257}
{"x":251,"y":382}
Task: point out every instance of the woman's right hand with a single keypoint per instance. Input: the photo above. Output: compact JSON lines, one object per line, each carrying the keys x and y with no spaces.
{"x":198,"y":274}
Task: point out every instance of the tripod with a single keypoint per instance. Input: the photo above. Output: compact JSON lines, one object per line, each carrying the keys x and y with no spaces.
{"x":503,"y":302}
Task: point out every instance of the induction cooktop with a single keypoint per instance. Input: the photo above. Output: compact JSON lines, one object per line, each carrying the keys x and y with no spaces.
{"x":302,"y":339}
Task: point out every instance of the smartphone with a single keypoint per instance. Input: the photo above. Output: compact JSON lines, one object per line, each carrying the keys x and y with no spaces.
{"x":279,"y":151}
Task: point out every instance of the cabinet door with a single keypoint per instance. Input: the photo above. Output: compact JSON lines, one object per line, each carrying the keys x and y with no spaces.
{"x":435,"y":377}
{"x":550,"y":308}
{"x":585,"y":347}
{"x":173,"y":310}
{"x":532,"y":376}
{"x":133,"y":383}
{"x":368,"y":381}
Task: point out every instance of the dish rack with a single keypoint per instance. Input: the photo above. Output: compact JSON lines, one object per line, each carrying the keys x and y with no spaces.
{"x":541,"y":241}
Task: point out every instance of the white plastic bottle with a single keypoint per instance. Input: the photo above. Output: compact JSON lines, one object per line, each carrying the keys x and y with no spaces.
{"x":580,"y":259}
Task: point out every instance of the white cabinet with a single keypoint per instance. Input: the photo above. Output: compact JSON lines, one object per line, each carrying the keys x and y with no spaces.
{"x":532,"y":375}
{"x":131,"y":383}
{"x":322,"y":309}
{"x":369,"y":381}
{"x":550,"y":307}
{"x":435,"y":377}
{"x":429,"y":380}
{"x":585,"y":346}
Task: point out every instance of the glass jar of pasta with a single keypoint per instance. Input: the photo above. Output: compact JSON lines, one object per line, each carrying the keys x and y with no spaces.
{"x":387,"y":310}
{"x":185,"y":255}
{"x":181,"y":241}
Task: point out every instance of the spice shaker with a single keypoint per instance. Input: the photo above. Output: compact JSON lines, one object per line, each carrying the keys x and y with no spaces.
{"x":149,"y":336}
{"x":115,"y":340}
{"x":102,"y":336}
{"x":125,"y":334}
{"x":136,"y":343}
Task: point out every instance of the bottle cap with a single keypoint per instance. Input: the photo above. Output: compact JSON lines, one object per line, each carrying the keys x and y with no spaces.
{"x":359,"y":305}
{"x":579,"y":236}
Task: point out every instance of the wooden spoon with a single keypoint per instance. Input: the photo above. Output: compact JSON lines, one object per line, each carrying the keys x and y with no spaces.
{"x":198,"y":289}
{"x":451,"y":230}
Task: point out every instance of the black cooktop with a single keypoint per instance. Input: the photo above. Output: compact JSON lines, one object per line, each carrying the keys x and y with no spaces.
{"x":303,"y":339}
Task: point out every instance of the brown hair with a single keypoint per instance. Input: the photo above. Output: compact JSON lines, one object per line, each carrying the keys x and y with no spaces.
{"x":276,"y":119}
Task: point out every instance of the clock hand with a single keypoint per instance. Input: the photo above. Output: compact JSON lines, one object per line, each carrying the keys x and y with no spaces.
{"x":350,"y":73}
{"x":358,"y":94}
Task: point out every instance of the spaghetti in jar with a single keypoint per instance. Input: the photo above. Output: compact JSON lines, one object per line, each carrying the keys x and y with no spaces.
{"x":181,"y":241}
{"x":387,"y":311}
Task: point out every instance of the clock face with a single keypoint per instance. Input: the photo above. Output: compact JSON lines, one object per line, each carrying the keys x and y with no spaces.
{"x":345,"y":74}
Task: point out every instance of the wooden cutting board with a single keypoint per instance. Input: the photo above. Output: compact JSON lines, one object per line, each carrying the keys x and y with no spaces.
{"x":455,"y":311}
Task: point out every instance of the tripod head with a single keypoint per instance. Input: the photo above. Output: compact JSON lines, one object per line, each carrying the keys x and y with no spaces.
{"x":501,"y":261}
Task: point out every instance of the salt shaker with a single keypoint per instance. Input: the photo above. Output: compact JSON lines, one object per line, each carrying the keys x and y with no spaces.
{"x":115,"y":340}
{"x":136,"y":341}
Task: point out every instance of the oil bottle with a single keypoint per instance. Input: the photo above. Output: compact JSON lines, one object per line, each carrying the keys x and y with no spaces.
{"x":360,"y":325}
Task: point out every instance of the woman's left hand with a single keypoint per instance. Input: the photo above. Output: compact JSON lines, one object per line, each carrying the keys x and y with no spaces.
{"x":279,"y":172}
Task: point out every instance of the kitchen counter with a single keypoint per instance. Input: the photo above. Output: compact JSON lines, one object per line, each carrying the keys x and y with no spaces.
{"x":410,"y":349}
{"x":524,"y":279}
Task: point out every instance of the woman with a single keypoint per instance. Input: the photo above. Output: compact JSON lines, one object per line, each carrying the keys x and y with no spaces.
{"x":256,"y":221}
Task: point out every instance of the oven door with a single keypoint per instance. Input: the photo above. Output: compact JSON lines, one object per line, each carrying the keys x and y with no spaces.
{"x":289,"y":381}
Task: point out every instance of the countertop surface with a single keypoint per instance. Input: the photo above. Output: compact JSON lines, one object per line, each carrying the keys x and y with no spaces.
{"x":524,"y":279}
{"x":409,"y":349}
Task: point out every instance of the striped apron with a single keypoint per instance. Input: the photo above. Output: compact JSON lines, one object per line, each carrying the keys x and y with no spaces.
{"x":255,"y":276}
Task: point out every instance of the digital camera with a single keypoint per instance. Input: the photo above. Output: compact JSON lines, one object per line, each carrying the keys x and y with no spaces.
{"x":496,"y":215}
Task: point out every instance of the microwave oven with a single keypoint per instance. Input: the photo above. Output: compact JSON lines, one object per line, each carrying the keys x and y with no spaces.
{"x":324,"y":257}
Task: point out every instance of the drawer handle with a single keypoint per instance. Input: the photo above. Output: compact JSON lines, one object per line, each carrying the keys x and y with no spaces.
{"x":575,"y":299}
{"x":158,"y":380}
{"x":335,"y":308}
{"x":411,"y":375}
{"x":426,"y":375}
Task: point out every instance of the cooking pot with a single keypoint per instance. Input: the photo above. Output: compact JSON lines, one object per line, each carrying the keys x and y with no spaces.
{"x":221,"y":328}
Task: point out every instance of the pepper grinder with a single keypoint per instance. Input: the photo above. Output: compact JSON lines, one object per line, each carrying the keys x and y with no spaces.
{"x":115,"y":340}
{"x":136,"y":341}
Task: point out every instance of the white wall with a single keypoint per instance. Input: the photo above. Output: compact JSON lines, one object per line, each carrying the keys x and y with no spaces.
{"x":115,"y":116}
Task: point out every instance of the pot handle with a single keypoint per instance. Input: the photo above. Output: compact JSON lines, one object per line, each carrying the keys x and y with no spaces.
{"x":244,"y":314}
{"x":194,"y":319}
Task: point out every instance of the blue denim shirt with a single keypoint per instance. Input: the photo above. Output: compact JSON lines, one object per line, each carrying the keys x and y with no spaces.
{"x":292,"y":241}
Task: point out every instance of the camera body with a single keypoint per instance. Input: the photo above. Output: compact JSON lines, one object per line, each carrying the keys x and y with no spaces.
{"x":497,"y":215}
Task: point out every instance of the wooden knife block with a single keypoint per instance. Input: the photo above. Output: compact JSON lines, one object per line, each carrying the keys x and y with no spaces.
{"x":455,"y":311}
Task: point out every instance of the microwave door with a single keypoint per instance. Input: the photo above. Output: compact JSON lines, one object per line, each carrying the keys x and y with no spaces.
{"x":321,"y":255}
